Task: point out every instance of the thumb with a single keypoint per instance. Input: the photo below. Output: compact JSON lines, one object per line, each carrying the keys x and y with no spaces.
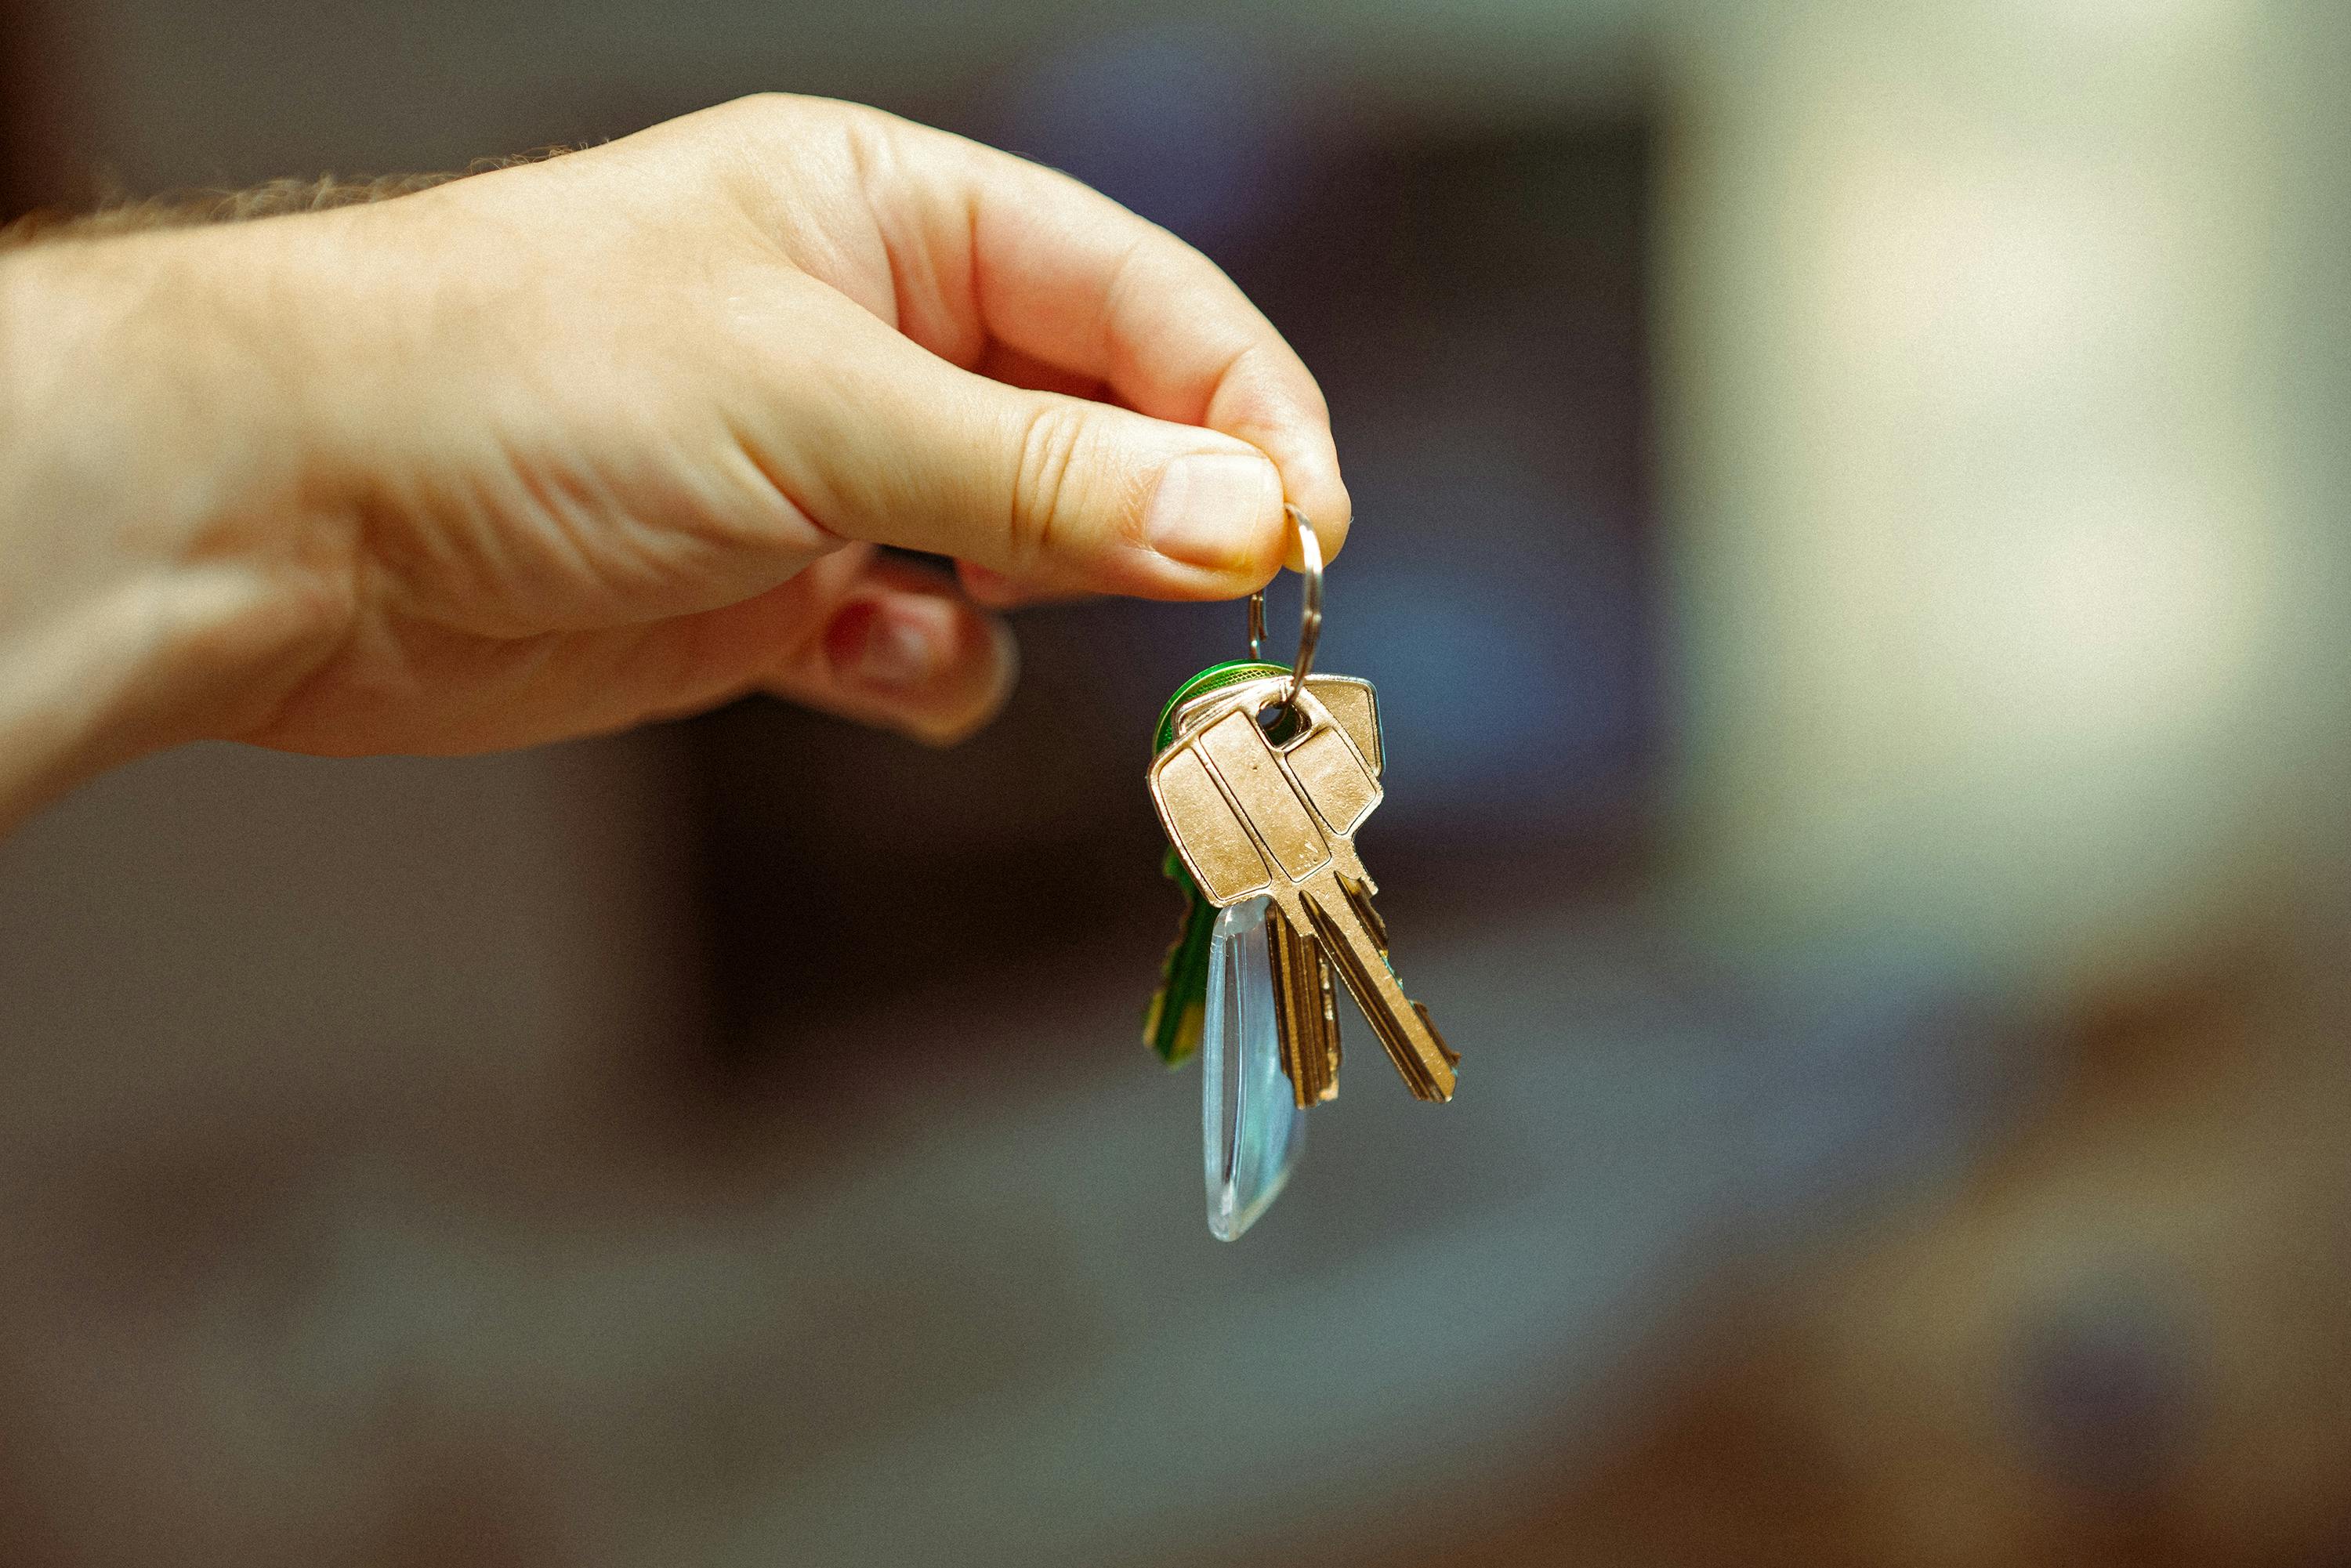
{"x":1061,"y":493}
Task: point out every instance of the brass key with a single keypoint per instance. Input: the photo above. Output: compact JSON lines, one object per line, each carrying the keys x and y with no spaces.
{"x":1306,"y":1010}
{"x":1307,"y":1021}
{"x":1250,"y":815}
{"x":1309,"y":1033}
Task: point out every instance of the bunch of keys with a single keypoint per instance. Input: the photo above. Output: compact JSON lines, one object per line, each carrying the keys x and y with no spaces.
{"x":1261,"y":775}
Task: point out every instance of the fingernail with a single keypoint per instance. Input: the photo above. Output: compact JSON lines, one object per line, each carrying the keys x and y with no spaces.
{"x":892,"y":646}
{"x":1208,"y":508}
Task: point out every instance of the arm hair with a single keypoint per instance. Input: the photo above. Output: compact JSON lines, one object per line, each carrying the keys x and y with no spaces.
{"x":191,"y":209}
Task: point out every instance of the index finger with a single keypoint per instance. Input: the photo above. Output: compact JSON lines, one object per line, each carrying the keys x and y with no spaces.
{"x":989,"y":249}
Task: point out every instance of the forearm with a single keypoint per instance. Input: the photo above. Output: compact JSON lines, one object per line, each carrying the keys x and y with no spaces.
{"x":153,"y":589}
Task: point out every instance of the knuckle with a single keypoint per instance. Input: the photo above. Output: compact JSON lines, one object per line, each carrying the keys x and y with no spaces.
{"x":868,"y":132}
{"x":773,"y":111}
{"x":791,"y":116}
{"x":1047,"y":489}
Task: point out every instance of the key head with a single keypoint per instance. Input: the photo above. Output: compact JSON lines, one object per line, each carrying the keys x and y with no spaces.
{"x":1351,"y":699}
{"x":1246,"y":810}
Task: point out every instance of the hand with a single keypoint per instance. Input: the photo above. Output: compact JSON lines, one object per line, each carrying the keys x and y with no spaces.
{"x":555,"y":449}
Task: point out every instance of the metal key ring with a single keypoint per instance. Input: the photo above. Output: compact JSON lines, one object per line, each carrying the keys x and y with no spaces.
{"x":1309,"y":610}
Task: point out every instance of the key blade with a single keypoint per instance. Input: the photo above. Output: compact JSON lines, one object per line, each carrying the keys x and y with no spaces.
{"x":1303,"y":1011}
{"x":1422,"y":1057}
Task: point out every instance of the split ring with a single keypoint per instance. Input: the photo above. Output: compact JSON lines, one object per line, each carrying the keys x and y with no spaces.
{"x":1309,"y":610}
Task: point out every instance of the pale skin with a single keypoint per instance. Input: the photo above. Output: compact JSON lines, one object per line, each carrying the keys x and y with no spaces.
{"x":554,"y":450}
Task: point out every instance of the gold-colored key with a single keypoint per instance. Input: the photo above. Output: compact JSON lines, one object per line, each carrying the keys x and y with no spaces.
{"x":1306,"y":1024}
{"x":1306,"y":1012}
{"x":1250,"y":815}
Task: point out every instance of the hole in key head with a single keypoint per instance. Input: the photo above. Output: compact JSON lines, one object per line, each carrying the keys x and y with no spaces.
{"x":1281,"y":722}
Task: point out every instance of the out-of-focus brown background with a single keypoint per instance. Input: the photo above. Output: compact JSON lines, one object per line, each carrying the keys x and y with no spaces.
{"x":1851,"y":542}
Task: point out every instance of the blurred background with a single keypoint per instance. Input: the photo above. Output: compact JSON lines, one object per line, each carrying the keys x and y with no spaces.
{"x":1850,"y":541}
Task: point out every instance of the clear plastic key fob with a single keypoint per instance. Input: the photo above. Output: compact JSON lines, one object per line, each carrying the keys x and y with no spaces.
{"x":1252,"y":1127}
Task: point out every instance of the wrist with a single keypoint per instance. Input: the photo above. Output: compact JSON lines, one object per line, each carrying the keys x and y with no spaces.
{"x":161,"y":577}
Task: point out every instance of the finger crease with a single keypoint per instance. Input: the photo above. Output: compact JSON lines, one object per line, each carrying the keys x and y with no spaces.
{"x":866,"y":155}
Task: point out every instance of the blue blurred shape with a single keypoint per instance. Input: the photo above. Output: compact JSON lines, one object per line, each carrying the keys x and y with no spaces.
{"x":1182,"y":122}
{"x":1503,"y":627}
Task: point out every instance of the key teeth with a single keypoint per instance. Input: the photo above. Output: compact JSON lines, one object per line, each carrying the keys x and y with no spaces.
{"x":1424,"y":1086}
{"x":1327,"y":985}
{"x":1452,"y":1056}
{"x":1360,"y":894}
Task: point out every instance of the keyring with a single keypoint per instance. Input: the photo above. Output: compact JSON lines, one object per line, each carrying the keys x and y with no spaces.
{"x":1309,"y":609}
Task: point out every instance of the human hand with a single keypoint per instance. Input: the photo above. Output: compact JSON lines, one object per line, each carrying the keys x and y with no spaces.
{"x":555,"y":449}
